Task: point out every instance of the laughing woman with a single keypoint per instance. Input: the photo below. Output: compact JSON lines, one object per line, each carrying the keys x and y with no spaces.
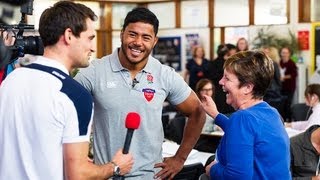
{"x":255,"y":144}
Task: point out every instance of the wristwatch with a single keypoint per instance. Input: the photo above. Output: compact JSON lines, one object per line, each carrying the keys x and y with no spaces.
{"x":116,"y":169}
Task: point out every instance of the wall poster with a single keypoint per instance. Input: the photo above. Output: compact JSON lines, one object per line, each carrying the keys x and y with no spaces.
{"x":168,"y":51}
{"x":193,"y":41}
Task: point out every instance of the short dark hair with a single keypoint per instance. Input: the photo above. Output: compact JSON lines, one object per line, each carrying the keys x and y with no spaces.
{"x":312,"y":89}
{"x":285,"y":47}
{"x":62,"y":15}
{"x":222,"y":50}
{"x":141,"y":14}
{"x":252,"y":67}
{"x":231,"y":46}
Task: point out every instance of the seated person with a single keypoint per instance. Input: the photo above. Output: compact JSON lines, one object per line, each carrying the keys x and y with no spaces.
{"x":206,"y":87}
{"x":205,"y":144}
{"x":312,"y":96}
{"x":305,"y":150}
{"x":255,"y":144}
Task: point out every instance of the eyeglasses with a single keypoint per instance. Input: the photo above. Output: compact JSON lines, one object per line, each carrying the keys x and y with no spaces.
{"x":206,"y":90}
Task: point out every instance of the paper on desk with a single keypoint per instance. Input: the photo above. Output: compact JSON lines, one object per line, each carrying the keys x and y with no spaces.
{"x":292,"y":132}
{"x":170,"y":148}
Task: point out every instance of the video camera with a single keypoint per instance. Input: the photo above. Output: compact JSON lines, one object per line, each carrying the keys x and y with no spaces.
{"x":23,"y":44}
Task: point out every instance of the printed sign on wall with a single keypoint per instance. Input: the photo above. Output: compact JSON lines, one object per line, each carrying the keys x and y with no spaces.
{"x":303,"y":39}
{"x":168,"y":51}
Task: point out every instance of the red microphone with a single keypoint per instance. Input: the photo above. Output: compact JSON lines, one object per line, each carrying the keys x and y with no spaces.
{"x":132,"y":123}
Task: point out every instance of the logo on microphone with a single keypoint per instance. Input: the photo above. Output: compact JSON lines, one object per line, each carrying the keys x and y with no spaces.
{"x":148,"y":93}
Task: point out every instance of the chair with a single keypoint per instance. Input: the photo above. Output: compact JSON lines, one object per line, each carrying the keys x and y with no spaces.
{"x":165,"y":123}
{"x":190,"y":172}
{"x":210,"y":159}
{"x":299,"y":112}
{"x":175,"y":129}
{"x":204,"y":177}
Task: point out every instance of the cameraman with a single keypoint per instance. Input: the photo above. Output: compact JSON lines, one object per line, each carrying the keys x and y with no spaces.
{"x":7,"y":66}
{"x":45,"y":115}
{"x":5,"y":40}
{"x":13,"y":43}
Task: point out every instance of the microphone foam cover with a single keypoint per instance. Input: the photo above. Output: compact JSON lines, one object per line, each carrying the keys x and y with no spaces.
{"x":132,"y":120}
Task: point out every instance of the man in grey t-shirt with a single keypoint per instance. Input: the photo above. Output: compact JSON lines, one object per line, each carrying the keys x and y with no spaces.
{"x":130,"y":80}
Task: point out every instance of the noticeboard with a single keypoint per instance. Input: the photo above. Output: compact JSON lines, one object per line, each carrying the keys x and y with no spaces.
{"x":168,"y":51}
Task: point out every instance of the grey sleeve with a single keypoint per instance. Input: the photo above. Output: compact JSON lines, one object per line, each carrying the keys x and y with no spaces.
{"x":179,"y":90}
{"x":86,"y":77}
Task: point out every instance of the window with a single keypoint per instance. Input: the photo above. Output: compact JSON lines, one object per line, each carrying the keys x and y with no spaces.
{"x":232,"y":34}
{"x":231,"y":12}
{"x":38,"y":7}
{"x":217,"y":40}
{"x":315,"y":13}
{"x":165,"y":13}
{"x":194,"y":13}
{"x":270,"y":12}
{"x":119,"y":12}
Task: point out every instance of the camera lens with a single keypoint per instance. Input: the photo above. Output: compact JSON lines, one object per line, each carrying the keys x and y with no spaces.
{"x":33,"y":45}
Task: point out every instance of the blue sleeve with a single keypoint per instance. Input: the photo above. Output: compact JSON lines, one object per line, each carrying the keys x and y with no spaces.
{"x":237,"y":149}
{"x":222,"y":121}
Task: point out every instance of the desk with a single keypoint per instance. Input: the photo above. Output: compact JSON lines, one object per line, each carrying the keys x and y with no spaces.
{"x":209,"y":141}
{"x":170,"y":148}
{"x":292,"y":132}
{"x":214,"y":133}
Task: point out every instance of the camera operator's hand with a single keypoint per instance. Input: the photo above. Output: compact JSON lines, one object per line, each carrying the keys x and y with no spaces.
{"x":8,"y":38}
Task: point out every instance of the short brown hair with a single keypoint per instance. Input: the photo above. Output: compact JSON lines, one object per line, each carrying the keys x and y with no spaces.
{"x":252,"y":67}
{"x":61,"y":16}
{"x":195,"y":51}
{"x":312,"y":89}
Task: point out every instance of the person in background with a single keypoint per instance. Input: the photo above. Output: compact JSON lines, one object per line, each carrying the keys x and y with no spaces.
{"x":288,"y":78}
{"x":255,"y":144}
{"x":312,"y":96}
{"x":215,"y":73}
{"x":273,"y":94}
{"x":206,"y":87}
{"x":45,"y":115}
{"x":131,"y":80}
{"x":232,"y":49}
{"x":242,"y":44}
{"x":196,"y":68}
{"x":273,"y":53}
{"x":305,"y":150}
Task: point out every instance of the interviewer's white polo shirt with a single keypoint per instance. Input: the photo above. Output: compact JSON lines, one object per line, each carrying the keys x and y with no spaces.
{"x":39,"y":111}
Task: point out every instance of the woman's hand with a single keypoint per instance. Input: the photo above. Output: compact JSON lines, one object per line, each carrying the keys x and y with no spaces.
{"x":209,"y":106}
